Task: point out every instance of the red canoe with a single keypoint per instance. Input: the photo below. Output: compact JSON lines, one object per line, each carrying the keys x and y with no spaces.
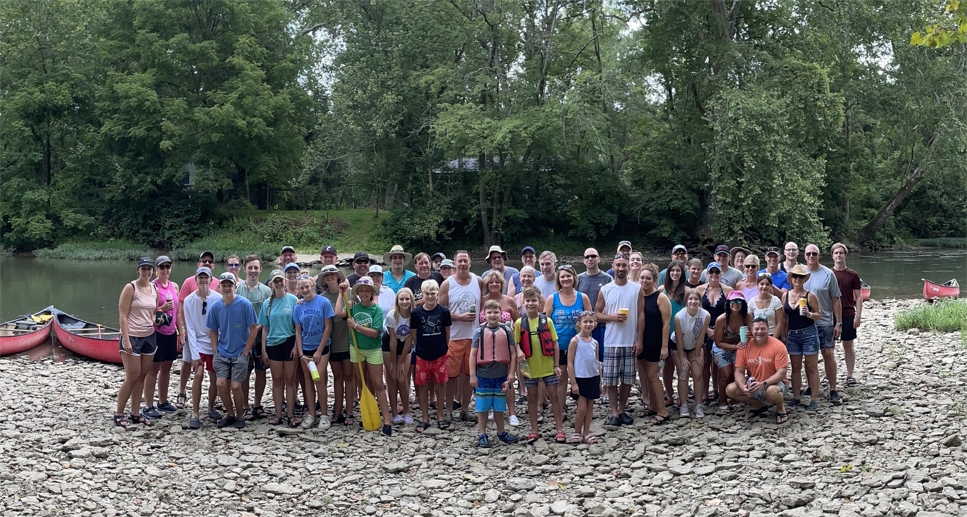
{"x":88,"y":339}
{"x":933,"y":291}
{"x":865,"y":290}
{"x":26,"y":332}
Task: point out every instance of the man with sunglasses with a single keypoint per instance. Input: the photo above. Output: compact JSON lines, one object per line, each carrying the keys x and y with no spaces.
{"x":822,"y":282}
{"x":190,"y":285}
{"x":590,"y":283}
{"x":361,"y":264}
{"x":730,"y":275}
{"x":198,"y":351}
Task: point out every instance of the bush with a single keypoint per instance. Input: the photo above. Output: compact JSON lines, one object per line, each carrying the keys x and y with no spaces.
{"x":940,"y":316}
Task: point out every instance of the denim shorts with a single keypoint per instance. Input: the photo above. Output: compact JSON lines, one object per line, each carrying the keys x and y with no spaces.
{"x":723,"y":358}
{"x":825,"y":336}
{"x":761,"y":394}
{"x":803,"y":341}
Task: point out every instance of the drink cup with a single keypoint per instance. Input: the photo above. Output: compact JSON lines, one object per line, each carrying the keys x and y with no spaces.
{"x":313,"y":371}
{"x":802,"y":306}
{"x":624,"y":312}
{"x":744,"y":334}
{"x":525,"y":369}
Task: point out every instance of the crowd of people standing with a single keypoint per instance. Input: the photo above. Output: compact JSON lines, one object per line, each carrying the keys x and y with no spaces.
{"x":728,"y":334}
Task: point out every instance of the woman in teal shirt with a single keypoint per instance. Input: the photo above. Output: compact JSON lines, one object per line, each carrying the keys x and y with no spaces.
{"x":278,"y":345}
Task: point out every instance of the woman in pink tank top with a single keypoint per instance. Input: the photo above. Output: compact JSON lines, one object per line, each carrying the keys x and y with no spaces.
{"x":136,"y":308}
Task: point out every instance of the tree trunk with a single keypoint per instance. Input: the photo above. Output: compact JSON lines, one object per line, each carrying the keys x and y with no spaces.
{"x":482,"y":189}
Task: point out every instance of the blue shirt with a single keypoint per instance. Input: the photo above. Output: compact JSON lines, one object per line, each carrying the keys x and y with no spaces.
{"x":390,"y":281}
{"x":232,"y":322}
{"x":312,"y":316}
{"x":779,"y":279}
{"x":276,"y":314}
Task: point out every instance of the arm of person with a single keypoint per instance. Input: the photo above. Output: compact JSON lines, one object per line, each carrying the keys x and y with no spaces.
{"x":340,"y":306}
{"x":665,"y":307}
{"x":739,"y":377}
{"x":474,"y":350}
{"x":858,"y":318}
{"x":700,"y":346}
{"x":298,"y":340}
{"x":838,"y":316}
{"x":548,"y":306}
{"x":326,"y":333}
{"x":124,"y":308}
{"x":599,"y":312}
{"x":252,"y":330}
{"x":368,"y":332}
{"x":813,"y":302}
{"x":570,"y":365}
{"x":443,"y":296}
{"x":512,"y":366}
{"x":213,"y":337}
{"x":514,"y":311}
{"x":780,"y":323}
{"x":680,"y":351}
{"x":511,"y":288}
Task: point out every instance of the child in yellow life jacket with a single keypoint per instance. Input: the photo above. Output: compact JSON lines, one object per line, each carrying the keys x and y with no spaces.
{"x":538,"y":346}
{"x":492,"y":356}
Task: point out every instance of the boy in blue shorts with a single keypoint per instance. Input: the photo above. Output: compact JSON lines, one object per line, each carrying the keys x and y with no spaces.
{"x":537,"y":339}
{"x":492,"y":355}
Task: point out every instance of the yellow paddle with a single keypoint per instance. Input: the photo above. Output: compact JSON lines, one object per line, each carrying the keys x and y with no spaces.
{"x":368,"y":409}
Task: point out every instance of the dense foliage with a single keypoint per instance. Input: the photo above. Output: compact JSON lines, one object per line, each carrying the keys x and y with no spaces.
{"x":486,"y":120}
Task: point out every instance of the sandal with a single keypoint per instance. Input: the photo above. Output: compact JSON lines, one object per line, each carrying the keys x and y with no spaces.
{"x":422,"y":427}
{"x":140,"y":420}
{"x":277,"y":420}
{"x":755,"y":413}
{"x":294,"y":422}
{"x":590,"y":440}
{"x":121,"y":421}
{"x":576,"y":438}
{"x":348,"y":421}
{"x":660,"y":420}
{"x":782,"y":418}
{"x":850,"y":382}
{"x":181,"y":401}
{"x":258,"y":412}
{"x":645,"y":413}
{"x":533,"y":437}
{"x":560,"y":438}
{"x":443,"y":424}
{"x":247,"y":415}
{"x":540,"y":417}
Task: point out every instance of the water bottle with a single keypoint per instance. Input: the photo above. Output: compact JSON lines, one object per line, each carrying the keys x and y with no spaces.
{"x":525,"y":370}
{"x":313,"y":371}
{"x":168,"y":298}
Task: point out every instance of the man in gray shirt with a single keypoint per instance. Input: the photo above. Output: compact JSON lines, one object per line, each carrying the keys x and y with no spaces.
{"x":590,"y":283}
{"x":822,"y":282}
{"x":730,"y":275}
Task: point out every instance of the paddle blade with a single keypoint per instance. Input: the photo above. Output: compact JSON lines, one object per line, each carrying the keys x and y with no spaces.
{"x":369,"y":410}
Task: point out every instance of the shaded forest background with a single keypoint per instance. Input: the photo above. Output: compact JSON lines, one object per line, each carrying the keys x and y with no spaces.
{"x":484,"y":120}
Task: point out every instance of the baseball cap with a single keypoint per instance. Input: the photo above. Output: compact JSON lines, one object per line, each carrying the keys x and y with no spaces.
{"x":528,"y":248}
{"x":227,"y":277}
{"x":145,"y":261}
{"x":736,"y":295}
{"x":446,"y":263}
{"x":291,"y":265}
{"x":287,"y":248}
{"x":772,"y":250}
{"x":163,"y":259}
{"x":714,"y":265}
{"x":276,"y":274}
{"x":332,"y":270}
{"x":203,"y":271}
{"x":679,"y":247}
{"x":328,"y":249}
{"x":376,"y":268}
{"x":721,"y":248}
{"x":438,"y":254}
{"x":622,"y":244}
{"x":210,"y":255}
{"x":361,"y":255}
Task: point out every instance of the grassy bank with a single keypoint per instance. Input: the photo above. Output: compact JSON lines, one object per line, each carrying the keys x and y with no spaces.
{"x":94,"y":250}
{"x":946,"y":242}
{"x":940,"y":316}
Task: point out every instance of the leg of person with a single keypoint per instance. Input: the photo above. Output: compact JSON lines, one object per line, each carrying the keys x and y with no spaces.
{"x":187,"y":367}
{"x":533,"y":400}
{"x":626,"y":378}
{"x":796,"y":362}
{"x":643,"y":384}
{"x":827,"y":347}
{"x":725,"y":378}
{"x":609,"y":373}
{"x":132,"y":372}
{"x":424,"y":392}
{"x":668,"y":378}
{"x":552,"y":381}
{"x":278,"y":389}
{"x":653,"y":375}
{"x":291,"y":394}
{"x":260,"y":382}
{"x":302,"y":382}
{"x":776,"y":395}
{"x":579,"y":417}
{"x":562,"y":382}
{"x":392,"y":390}
{"x":303,"y":364}
{"x":147,"y":361}
{"x":196,"y":383}
{"x":734,"y":393}
{"x":403,"y":385}
{"x":682,"y":384}
{"x":849,"y":353}
{"x":164,"y":380}
{"x":322,"y":385}
{"x":149,"y":382}
{"x":812,"y":377}
{"x":349,"y":389}
{"x":223,"y":372}
{"x":374,"y":365}
{"x":338,"y":384}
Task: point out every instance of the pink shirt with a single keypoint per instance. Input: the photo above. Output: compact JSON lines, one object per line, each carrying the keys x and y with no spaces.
{"x":190,"y":285}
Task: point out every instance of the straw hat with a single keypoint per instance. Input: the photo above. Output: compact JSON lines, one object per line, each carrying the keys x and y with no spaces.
{"x":799,"y":270}
{"x":397,"y":250}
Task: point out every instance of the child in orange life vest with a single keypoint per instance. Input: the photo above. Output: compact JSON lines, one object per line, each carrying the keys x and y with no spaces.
{"x":537,"y":338}
{"x":585,"y":373}
{"x":492,"y":356}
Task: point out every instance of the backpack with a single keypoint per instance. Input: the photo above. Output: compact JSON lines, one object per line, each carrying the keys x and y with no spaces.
{"x":543,"y":334}
{"x":497,"y":348}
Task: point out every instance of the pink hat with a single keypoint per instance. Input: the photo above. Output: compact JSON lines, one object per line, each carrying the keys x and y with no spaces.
{"x":736,"y":295}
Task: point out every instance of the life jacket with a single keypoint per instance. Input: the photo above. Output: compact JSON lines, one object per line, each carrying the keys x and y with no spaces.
{"x":495,"y":347}
{"x":543,"y":334}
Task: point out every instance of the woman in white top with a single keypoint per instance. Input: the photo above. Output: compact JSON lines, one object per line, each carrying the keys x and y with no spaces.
{"x":690,"y":327}
{"x":769,"y":305}
{"x":396,"y":355}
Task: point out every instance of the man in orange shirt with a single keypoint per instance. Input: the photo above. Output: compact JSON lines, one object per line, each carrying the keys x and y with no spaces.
{"x":765,"y":359}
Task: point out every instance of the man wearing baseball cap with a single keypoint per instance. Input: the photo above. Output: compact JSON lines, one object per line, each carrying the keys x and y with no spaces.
{"x":679,"y":253}
{"x":190,"y":285}
{"x":436,"y":260}
{"x":198,"y":351}
{"x":361,"y":263}
{"x":624,"y":248}
{"x":780,"y":280}
{"x":231,"y":323}
{"x":286,"y":257}
{"x":730,"y":275}
{"x":328,"y":256}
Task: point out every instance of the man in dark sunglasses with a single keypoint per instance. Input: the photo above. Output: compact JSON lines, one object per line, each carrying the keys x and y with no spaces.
{"x":822,"y":282}
{"x":590,"y":283}
{"x":198,"y":352}
{"x":361,"y":264}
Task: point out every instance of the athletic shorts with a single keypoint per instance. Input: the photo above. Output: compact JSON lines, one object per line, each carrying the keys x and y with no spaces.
{"x":490,"y":396}
{"x":849,"y":331}
{"x":458,"y":357}
{"x":618,"y":366}
{"x":803,"y":341}
{"x":651,"y":354}
{"x":337,"y":357}
{"x":187,"y":355}
{"x":310,"y":353}
{"x":761,"y":395}
{"x":825,"y":336}
{"x":589,"y":387}
{"x":435,"y":370}
{"x":147,"y":345}
{"x":722,"y":358}
{"x":282,"y":351}
{"x":550,"y":380}
{"x":207,"y":359}
{"x":399,"y":345}
{"x":167,"y":347}
{"x":562,"y":358}
{"x":255,"y":356}
{"x":234,"y":368}
{"x":370,"y":356}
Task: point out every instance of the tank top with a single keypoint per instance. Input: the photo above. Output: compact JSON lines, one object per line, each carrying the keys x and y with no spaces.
{"x":141,"y":312}
{"x":586,"y":359}
{"x":340,"y":330}
{"x":566,"y":319}
{"x":653,"y":322}
{"x":714,"y":311}
{"x":463,"y":298}
{"x":750,"y":293}
{"x":797,"y":321}
{"x":163,"y":293}
{"x":676,"y":308}
{"x":691,"y":328}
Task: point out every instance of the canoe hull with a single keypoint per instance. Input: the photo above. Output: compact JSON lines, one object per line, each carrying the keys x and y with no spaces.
{"x":12,"y":342}
{"x":935,"y":291}
{"x":88,"y":339}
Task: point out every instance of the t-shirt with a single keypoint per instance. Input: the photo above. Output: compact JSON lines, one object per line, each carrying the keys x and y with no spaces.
{"x":849,"y":282}
{"x":368,"y":317}
{"x":548,"y":286}
{"x":621,"y":297}
{"x":163,"y":293}
{"x":257,"y":296}
{"x":390,"y":281}
{"x":762,"y":361}
{"x":233,"y":323}
{"x":196,"y":332}
{"x":397,"y":325}
{"x":353,"y":277}
{"x":780,"y":280}
{"x":775,"y":304}
{"x":430,"y":325}
{"x":278,"y":319}
{"x":190,"y":285}
{"x":415,"y":284}
{"x":731,"y":276}
{"x":386,"y":299}
{"x":702,"y":278}
{"x":540,"y":365}
{"x":312,"y":316}
{"x":690,"y":327}
{"x":591,"y":285}
{"x":511,"y":275}
{"x":823,"y":284}
{"x":339,"y":336}
{"x":491,"y":369}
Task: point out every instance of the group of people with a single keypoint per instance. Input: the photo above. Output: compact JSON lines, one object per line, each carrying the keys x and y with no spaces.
{"x":732,"y":324}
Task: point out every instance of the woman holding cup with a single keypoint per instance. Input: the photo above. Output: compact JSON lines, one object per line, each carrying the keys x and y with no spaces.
{"x":731,"y":334}
{"x":801,"y":309}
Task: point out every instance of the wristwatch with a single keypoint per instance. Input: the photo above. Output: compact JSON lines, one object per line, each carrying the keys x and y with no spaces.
{"x":765,"y":384}
{"x":840,"y":324}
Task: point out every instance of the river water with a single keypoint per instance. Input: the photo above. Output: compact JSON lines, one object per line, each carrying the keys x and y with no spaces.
{"x":90,"y":289}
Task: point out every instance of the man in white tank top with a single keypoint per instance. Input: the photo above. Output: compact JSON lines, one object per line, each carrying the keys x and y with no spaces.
{"x":619,"y":306}
{"x":460,"y":294}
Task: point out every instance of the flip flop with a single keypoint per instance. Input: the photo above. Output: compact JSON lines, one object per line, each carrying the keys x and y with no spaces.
{"x":422,"y":427}
{"x":782,"y":418}
{"x":660,"y":420}
{"x":560,"y":438}
{"x":756,"y":413}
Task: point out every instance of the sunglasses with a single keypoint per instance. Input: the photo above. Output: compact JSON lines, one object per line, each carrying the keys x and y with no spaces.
{"x":361,"y":262}
{"x":207,"y":261}
{"x":204,"y":307}
{"x":565,"y":267}
{"x":796,"y":277}
{"x":715,"y":272}
{"x":164,"y":266}
{"x":812,"y":254}
{"x":736,"y":302}
{"x":751,"y":266}
{"x":680,"y":253}
{"x":760,"y":276}
{"x":590,"y":257}
{"x":234,"y":266}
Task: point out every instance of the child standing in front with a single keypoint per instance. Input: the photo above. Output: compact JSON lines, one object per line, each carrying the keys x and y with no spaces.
{"x":492,"y":356}
{"x":430,"y":327}
{"x":585,"y":373}
{"x":537,"y":337}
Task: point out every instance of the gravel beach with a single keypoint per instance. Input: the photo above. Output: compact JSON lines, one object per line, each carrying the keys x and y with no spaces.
{"x":893,"y":448}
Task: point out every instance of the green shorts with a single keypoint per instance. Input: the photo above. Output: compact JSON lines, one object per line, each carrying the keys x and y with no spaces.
{"x":370,"y":356}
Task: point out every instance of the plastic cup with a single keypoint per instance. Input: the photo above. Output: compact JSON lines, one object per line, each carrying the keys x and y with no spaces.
{"x":623,"y":311}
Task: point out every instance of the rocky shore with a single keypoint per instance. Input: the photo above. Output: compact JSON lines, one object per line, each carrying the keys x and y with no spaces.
{"x":893,"y":448}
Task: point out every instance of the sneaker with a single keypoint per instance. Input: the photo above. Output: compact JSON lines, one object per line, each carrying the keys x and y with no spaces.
{"x":398,"y":419}
{"x":699,"y":411}
{"x":308,"y":422}
{"x":795,"y":402}
{"x":150,"y":413}
{"x":813,"y":406}
{"x":324,"y":423}
{"x":507,"y":438}
{"x":834,"y":398}
{"x":626,"y":419}
{"x":239,"y":423}
{"x":194,"y":423}
{"x":226,"y":421}
{"x":456,"y":405}
{"x":167,"y":407}
{"x":407,"y":419}
{"x":683,"y":411}
{"x":214,"y":415}
{"x":483,"y":441}
{"x":513,"y":421}
{"x":387,"y":430}
{"x":490,"y":416}
{"x":613,"y":421}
